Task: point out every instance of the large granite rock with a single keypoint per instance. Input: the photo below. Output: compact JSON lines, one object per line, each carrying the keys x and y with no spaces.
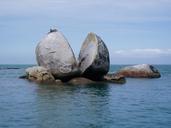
{"x":54,"y":53}
{"x":140,"y":71}
{"x":94,"y":57}
{"x":39,"y":74}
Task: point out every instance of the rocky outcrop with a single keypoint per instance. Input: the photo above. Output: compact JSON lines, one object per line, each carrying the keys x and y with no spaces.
{"x":94,"y":57}
{"x":140,"y":71}
{"x":57,"y":63}
{"x":114,"y":78}
{"x":42,"y":75}
{"x":39,"y":74}
{"x":55,"y":54}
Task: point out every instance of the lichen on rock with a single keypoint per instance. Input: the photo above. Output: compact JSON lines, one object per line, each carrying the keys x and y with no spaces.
{"x":39,"y":74}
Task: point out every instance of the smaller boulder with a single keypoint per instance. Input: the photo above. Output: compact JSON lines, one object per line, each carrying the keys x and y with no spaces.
{"x":140,"y":71}
{"x":114,"y":78}
{"x":39,"y":74}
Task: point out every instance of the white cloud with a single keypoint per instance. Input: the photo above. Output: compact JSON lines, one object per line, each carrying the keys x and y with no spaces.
{"x":105,"y":10}
{"x":142,"y":53}
{"x":139,"y":56}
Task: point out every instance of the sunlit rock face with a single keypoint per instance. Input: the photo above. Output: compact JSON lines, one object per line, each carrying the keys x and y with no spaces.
{"x":39,"y":74}
{"x":94,"y":57}
{"x":54,"y":53}
{"x":140,"y":71}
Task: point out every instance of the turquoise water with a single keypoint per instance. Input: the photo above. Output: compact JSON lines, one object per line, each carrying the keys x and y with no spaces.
{"x":140,"y":103}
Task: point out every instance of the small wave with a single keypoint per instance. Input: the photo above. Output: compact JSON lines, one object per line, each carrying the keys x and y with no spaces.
{"x":8,"y":68}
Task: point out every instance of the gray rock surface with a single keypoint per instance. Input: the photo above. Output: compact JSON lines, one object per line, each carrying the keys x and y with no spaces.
{"x":54,"y":53}
{"x":140,"y":71}
{"x":39,"y":74}
{"x":94,"y":57}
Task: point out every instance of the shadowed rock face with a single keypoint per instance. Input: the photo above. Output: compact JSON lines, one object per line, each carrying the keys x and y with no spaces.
{"x":39,"y":74}
{"x":140,"y":71}
{"x":54,"y":53}
{"x":94,"y":57}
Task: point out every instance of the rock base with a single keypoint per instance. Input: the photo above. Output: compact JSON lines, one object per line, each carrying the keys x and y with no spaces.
{"x":42,"y":75}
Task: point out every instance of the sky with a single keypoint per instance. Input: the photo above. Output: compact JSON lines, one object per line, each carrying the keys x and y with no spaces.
{"x":135,"y":31}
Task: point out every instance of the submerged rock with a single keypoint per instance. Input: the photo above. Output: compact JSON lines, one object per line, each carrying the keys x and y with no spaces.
{"x":94,"y":57}
{"x":114,"y":78}
{"x":54,"y":53}
{"x":80,"y":81}
{"x":39,"y":74}
{"x":140,"y":71}
{"x":109,"y":78}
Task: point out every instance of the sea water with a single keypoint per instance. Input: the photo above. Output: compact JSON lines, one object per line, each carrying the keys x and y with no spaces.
{"x":140,"y":103}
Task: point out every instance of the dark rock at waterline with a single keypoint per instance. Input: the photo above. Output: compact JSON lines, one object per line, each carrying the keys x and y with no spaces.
{"x":55,"y":54}
{"x":94,"y":57}
{"x":140,"y":71}
{"x":109,"y":78}
{"x":23,"y":77}
{"x":80,"y":81}
{"x":114,"y":78}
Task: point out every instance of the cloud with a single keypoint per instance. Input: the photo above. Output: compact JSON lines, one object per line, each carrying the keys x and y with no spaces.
{"x":139,"y":56}
{"x":142,"y":53}
{"x":126,"y":22}
{"x":88,"y":10}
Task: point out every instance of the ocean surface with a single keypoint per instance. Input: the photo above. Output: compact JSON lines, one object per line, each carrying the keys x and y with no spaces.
{"x":140,"y":103}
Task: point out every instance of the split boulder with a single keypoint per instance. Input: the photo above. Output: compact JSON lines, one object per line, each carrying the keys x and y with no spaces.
{"x":94,"y":57}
